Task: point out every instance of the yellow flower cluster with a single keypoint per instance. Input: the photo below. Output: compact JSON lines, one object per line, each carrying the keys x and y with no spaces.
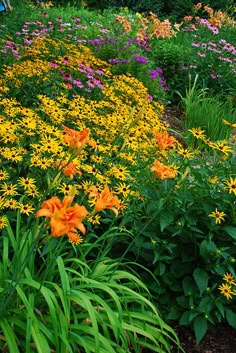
{"x":35,"y":155}
{"x":228,"y":288}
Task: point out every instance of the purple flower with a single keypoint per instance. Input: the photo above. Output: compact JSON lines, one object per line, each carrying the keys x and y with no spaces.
{"x":67,"y":76}
{"x":213,"y":29}
{"x":91,"y":83}
{"x":141,"y":59}
{"x":99,"y":72}
{"x":28,"y":41}
{"x":79,"y":41}
{"x":75,"y":19}
{"x":222,"y":41}
{"x":200,"y":53}
{"x":114,"y":61}
{"x":53,"y":63}
{"x":78,"y":83}
{"x":155,"y":73}
{"x":203,"y":22}
{"x":94,"y":41}
{"x":104,"y":30}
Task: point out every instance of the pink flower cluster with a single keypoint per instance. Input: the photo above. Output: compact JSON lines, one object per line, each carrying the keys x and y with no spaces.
{"x":91,"y":77}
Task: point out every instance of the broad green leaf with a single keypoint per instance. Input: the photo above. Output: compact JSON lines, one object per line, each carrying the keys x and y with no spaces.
{"x":188,"y":286}
{"x":201,"y":279}
{"x":220,"y":307}
{"x":200,"y":328}
{"x":206,"y":304}
{"x":174,"y":313}
{"x":231,"y":231}
{"x":165,"y":220}
{"x":207,"y":247}
{"x":185,"y":318}
{"x":231,"y":318}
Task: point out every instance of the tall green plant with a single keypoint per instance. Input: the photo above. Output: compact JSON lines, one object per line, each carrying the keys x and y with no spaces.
{"x":206,"y":112}
{"x":62,"y":302}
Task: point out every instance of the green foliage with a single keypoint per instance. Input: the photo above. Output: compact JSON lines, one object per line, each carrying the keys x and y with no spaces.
{"x":55,"y":296}
{"x":171,"y":57}
{"x":135,"y":6}
{"x":207,"y":112}
{"x":220,"y":4}
{"x":178,"y":8}
{"x":62,"y":301}
{"x":182,"y":246}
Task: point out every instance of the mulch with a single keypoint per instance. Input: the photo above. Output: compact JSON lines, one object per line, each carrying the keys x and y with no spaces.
{"x":222,"y":339}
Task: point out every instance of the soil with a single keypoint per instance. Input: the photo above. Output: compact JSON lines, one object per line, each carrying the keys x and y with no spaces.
{"x":222,"y":339}
{"x":173,"y":117}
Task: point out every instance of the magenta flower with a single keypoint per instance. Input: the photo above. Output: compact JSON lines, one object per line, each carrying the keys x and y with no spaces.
{"x":78,"y":83}
{"x":53,"y":63}
{"x":67,"y":76}
{"x":201,"y":54}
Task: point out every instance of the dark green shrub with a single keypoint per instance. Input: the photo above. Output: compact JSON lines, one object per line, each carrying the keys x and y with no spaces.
{"x":171,"y":58}
{"x":220,"y":4}
{"x":178,"y":8}
{"x":183,"y":247}
{"x":136,"y":6}
{"x":59,"y":3}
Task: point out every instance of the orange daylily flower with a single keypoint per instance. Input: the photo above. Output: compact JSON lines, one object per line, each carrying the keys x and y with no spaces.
{"x":163,"y":171}
{"x":70,"y":170}
{"x":77,"y":140}
{"x":105,"y":200}
{"x":164,"y":140}
{"x":64,"y":218}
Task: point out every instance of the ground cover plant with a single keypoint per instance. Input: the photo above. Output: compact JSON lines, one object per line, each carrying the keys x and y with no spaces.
{"x":150,"y":217}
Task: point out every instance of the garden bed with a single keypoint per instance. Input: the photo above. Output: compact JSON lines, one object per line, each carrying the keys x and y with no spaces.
{"x":220,"y":340}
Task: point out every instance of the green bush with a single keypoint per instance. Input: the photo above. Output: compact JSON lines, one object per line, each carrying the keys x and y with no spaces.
{"x":171,"y":57}
{"x":55,"y":298}
{"x":206,"y":112}
{"x":178,"y":8}
{"x":135,"y":6}
{"x":185,"y":233}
